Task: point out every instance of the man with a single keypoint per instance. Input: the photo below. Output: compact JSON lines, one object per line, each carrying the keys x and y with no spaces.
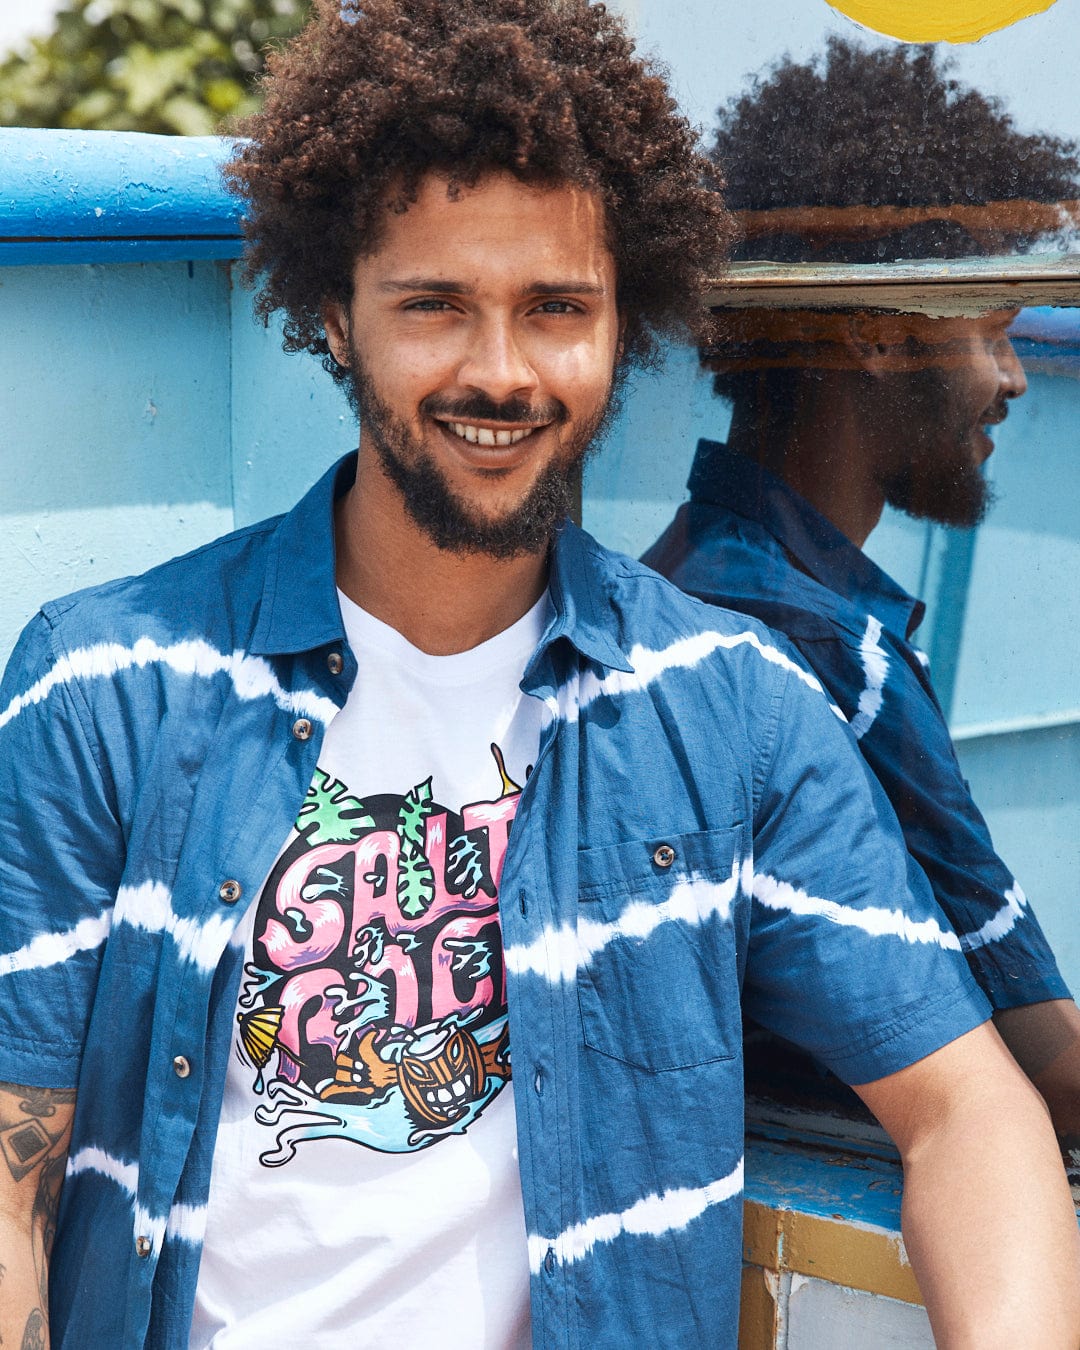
{"x":836,"y":414}
{"x":319,"y":831}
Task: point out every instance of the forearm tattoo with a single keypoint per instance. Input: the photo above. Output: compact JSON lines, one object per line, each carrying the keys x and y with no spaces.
{"x":34,"y":1135}
{"x":34,"y":1337}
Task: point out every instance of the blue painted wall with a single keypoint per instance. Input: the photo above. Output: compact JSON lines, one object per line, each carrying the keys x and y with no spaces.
{"x":114,"y":429}
{"x":142,"y":412}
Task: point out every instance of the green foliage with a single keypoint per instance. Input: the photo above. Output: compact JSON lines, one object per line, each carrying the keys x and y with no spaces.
{"x":178,"y":67}
{"x":416,"y":880}
{"x":330,"y":814}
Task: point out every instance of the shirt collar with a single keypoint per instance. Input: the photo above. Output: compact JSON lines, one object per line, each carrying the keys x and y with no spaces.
{"x":300,"y":609}
{"x":721,"y":477}
{"x":580,"y":589}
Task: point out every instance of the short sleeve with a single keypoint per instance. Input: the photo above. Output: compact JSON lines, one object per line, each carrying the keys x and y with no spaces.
{"x":60,"y":864}
{"x":849,"y":955}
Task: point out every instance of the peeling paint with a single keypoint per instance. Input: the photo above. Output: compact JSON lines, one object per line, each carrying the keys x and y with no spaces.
{"x":961,"y":288}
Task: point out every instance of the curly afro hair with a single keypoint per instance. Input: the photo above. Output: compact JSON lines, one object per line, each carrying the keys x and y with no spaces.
{"x":368,"y":99}
{"x":881,"y":127}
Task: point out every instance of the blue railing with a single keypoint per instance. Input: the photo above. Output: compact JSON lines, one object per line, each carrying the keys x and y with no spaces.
{"x":97,"y":196}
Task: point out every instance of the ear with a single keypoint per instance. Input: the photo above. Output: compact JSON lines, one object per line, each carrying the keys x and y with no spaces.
{"x":335,"y":317}
{"x":869,"y":343}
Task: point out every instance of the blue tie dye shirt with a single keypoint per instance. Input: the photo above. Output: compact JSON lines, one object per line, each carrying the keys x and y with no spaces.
{"x":698,"y":823}
{"x":747,"y":541}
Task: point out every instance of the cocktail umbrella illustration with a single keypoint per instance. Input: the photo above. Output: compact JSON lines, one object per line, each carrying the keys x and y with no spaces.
{"x":258,"y":1035}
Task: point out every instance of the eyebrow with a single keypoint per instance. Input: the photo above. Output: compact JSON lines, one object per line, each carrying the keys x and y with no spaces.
{"x":439,"y":286}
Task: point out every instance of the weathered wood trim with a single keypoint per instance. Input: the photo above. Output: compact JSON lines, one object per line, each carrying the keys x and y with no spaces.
{"x":759,"y":1309}
{"x":955,"y":287}
{"x":844,"y":1252}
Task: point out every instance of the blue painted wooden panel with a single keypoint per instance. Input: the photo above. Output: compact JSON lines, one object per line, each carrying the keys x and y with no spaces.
{"x":1020,"y":656}
{"x":56,"y":252}
{"x":114,"y":426}
{"x":638,"y":478}
{"x":288,"y":422}
{"x":780,"y":1177}
{"x":143,"y":411}
{"x":86,"y":196}
{"x":1028,"y":786}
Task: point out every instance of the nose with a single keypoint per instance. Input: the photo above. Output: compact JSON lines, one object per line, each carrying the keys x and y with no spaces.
{"x":1012,"y":382}
{"x":496,"y":363}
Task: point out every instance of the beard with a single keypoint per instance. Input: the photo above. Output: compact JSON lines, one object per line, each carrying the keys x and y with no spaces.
{"x":941,"y":477}
{"x":448,"y":521}
{"x":942,"y":490}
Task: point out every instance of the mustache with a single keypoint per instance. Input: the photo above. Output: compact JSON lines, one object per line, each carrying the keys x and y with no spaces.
{"x":479,"y":408}
{"x":996,"y":413}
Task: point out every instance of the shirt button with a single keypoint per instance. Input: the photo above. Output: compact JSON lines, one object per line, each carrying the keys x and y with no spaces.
{"x":230,"y":891}
{"x":181,"y":1066}
{"x":334,"y":663}
{"x":549,"y":1260}
{"x":302,"y":729}
{"x":664,"y":855}
{"x":143,"y":1246}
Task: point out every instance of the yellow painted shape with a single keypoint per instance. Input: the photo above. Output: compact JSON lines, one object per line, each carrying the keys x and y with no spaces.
{"x":853,"y":1255}
{"x":939,"y":20}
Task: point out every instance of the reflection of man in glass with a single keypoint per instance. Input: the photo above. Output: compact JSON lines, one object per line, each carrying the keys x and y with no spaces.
{"x":856,"y":410}
{"x":876,"y":156}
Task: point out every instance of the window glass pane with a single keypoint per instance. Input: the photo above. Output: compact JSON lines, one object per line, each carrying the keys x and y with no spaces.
{"x":1003,"y":611}
{"x":893,"y":201}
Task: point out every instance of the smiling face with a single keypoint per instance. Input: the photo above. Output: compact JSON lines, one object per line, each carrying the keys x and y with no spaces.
{"x":482,"y":337}
{"x":933,"y":468}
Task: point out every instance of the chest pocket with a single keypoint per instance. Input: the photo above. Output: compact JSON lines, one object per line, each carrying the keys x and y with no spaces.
{"x":658,"y":972}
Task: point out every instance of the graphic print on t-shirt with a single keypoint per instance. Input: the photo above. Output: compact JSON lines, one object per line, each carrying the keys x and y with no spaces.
{"x":374,"y":1005}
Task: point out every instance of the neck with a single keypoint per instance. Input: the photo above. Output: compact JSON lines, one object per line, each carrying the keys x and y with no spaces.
{"x":818,"y":444}
{"x":442,"y":602}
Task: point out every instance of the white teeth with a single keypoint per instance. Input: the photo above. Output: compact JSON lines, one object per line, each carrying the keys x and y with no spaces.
{"x":485,"y":435}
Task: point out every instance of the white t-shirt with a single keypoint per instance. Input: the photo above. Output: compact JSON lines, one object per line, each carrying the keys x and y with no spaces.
{"x":365,"y":1187}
